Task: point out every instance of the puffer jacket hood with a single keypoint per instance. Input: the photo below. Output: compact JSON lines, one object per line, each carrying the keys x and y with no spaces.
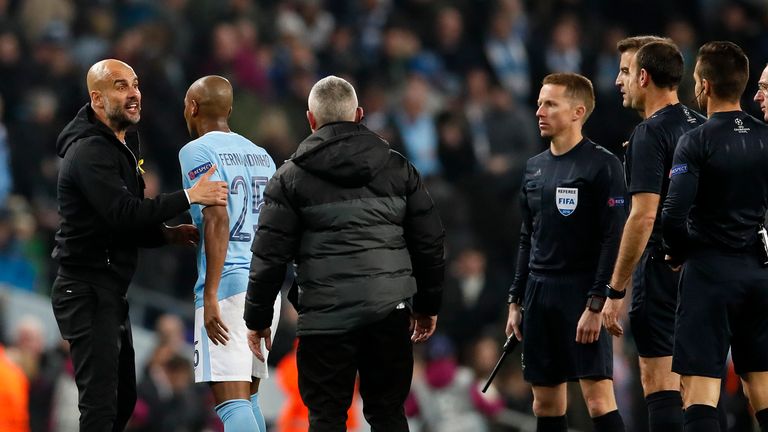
{"x":82,"y":126}
{"x":345,"y":153}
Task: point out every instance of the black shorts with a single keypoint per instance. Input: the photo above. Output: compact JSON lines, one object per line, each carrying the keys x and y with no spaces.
{"x":723,"y":302}
{"x":552,"y":308}
{"x":654,"y":301}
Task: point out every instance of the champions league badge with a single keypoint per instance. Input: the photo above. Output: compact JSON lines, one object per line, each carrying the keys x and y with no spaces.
{"x":567,"y":199}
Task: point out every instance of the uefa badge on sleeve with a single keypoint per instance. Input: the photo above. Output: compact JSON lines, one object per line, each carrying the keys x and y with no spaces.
{"x":567,"y":199}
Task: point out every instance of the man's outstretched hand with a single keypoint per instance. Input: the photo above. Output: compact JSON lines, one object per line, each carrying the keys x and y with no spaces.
{"x":207,"y":192}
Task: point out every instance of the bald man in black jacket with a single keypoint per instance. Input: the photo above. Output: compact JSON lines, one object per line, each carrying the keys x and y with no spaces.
{"x":104,"y":219}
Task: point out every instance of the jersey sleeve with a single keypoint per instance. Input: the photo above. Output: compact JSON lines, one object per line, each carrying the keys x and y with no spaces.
{"x":524,"y":246}
{"x":647,"y":169}
{"x":613,"y":213}
{"x":683,"y":185}
{"x":195,"y":160}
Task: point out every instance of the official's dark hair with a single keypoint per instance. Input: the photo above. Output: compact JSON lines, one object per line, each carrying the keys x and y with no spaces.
{"x":726,"y":67}
{"x":576,"y":86}
{"x":663,"y":62}
{"x":634,"y":43}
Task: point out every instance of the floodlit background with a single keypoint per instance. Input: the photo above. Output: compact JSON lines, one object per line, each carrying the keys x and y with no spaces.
{"x":451,"y":84}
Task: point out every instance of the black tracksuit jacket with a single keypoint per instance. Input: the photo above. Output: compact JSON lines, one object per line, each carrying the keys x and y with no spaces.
{"x":104,"y":216}
{"x":361,"y":227}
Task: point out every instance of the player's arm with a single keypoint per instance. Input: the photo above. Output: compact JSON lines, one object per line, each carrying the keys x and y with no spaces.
{"x":683,"y":186}
{"x":647,"y":175}
{"x":637,"y":231}
{"x":517,"y":289}
{"x":647,"y":179}
{"x":216,"y":241}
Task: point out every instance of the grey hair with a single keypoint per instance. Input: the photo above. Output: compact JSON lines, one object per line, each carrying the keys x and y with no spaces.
{"x":332,"y":99}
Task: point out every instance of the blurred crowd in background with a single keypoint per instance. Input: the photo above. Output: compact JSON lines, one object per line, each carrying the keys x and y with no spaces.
{"x":452,"y":84}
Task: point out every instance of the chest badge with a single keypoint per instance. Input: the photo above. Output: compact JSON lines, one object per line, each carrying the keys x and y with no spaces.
{"x":567,"y":199}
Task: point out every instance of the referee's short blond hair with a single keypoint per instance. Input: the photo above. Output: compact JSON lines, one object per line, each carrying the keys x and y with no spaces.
{"x":577,"y":87}
{"x":332,"y":99}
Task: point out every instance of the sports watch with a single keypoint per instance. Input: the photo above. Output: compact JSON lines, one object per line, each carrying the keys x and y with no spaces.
{"x":595,"y":303}
{"x":614,"y":293}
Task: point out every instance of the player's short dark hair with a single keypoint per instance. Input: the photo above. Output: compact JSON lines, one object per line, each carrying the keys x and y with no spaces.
{"x":726,"y":67}
{"x":576,"y":86}
{"x":634,"y":43}
{"x":663,"y":62}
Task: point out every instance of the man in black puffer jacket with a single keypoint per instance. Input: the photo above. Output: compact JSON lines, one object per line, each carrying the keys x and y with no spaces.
{"x":104,"y":219}
{"x":368,"y":248}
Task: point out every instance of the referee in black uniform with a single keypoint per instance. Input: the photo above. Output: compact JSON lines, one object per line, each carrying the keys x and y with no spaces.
{"x":712,"y":216}
{"x":573,"y":213}
{"x":654,"y":74}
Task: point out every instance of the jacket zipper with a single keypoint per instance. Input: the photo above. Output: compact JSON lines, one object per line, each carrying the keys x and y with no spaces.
{"x":138,"y":184}
{"x":136,"y":161}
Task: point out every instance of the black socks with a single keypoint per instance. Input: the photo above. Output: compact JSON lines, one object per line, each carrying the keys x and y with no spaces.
{"x":665,"y":411}
{"x":701,"y":418}
{"x":609,"y":422}
{"x":551,"y":424}
{"x":762,"y":418}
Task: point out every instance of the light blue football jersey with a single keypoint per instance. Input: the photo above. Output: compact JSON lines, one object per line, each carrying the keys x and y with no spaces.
{"x":246,"y":168}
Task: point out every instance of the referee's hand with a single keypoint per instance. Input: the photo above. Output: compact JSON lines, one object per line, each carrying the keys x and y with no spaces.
{"x":254,"y":341}
{"x":513,"y":322}
{"x":589,"y":326}
{"x":614,"y":308}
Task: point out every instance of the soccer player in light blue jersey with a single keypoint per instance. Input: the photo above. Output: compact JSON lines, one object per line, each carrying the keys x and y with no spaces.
{"x":222,"y":357}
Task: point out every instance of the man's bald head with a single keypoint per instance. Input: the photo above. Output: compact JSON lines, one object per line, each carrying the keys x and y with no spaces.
{"x":115,"y":97}
{"x":213,"y":96}
{"x":207,"y":105}
{"x":102,"y":73}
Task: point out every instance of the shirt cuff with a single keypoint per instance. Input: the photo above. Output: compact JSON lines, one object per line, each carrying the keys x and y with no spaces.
{"x":186,"y":194}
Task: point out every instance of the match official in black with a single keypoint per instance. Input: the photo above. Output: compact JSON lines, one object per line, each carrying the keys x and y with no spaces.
{"x":761,"y":95}
{"x":104,"y":219}
{"x":654,"y":74}
{"x":712,"y":220}
{"x":573,"y":198}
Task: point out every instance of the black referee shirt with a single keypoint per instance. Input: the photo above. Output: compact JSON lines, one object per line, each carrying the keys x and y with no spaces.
{"x":718,"y":193}
{"x":573,"y":212}
{"x":649,"y":155}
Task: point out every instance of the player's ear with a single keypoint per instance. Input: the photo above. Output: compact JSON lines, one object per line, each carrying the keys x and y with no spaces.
{"x":312,"y":120}
{"x":96,"y":99}
{"x":644,"y":78}
{"x":195,"y":108}
{"x":706,"y":87}
{"x":579,"y":112}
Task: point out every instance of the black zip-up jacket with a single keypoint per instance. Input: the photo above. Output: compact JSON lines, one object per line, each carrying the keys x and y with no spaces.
{"x":103,"y":214}
{"x":361,"y":227}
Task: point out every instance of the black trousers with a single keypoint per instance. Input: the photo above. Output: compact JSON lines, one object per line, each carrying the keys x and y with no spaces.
{"x":94,"y":319}
{"x":383,"y":356}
